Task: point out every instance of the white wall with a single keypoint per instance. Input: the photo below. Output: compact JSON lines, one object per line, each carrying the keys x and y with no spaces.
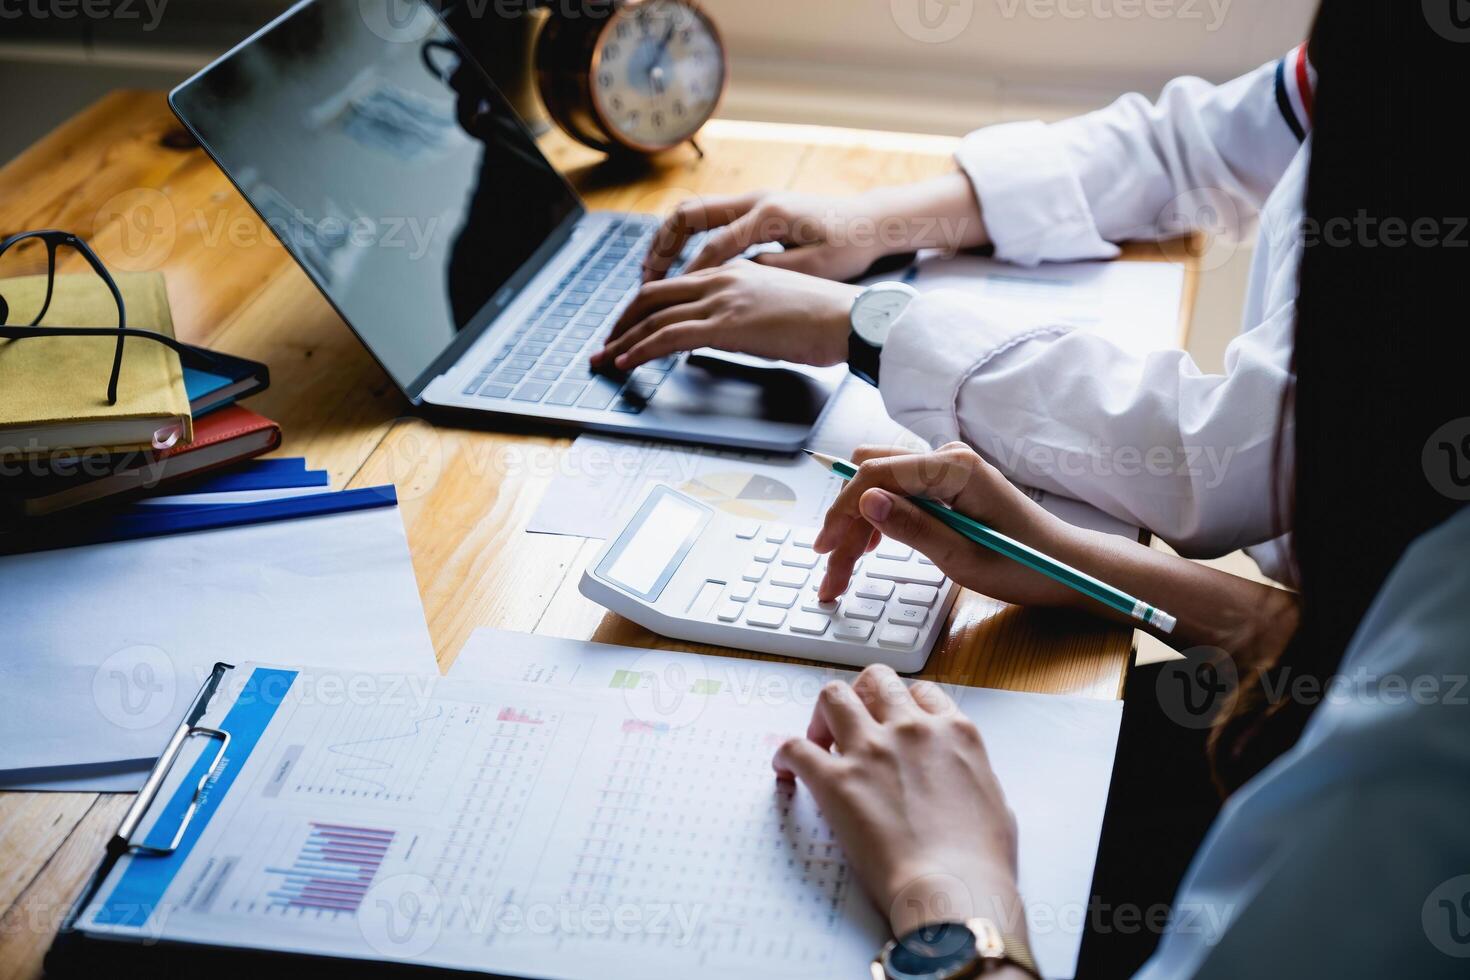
{"x":946,"y":65}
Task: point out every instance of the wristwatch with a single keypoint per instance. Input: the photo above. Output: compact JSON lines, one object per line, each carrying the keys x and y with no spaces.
{"x":873,"y":315}
{"x":952,"y":951}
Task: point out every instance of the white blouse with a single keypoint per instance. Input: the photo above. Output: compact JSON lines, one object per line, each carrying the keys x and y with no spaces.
{"x":1152,"y":440}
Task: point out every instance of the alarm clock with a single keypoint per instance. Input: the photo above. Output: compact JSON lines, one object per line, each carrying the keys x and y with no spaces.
{"x":631,"y":76}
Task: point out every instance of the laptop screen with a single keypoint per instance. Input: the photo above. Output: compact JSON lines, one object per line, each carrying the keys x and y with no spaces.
{"x":388,"y":164}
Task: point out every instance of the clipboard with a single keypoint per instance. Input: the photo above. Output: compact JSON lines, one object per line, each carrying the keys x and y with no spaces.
{"x":78,"y":953}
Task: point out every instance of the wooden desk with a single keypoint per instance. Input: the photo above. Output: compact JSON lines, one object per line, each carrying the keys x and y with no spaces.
{"x":122,"y":175}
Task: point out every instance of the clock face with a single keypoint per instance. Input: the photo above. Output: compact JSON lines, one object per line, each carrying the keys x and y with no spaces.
{"x":658,"y":73}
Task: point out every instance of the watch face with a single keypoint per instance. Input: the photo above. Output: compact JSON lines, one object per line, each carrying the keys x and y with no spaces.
{"x":932,"y":953}
{"x":659,"y":72}
{"x":876,"y":310}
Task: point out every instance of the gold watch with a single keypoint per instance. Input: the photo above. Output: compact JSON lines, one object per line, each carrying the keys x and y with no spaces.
{"x":952,"y":951}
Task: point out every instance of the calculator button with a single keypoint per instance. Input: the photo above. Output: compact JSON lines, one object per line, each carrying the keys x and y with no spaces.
{"x":777,"y":533}
{"x":741,"y":591}
{"x":747,"y":530}
{"x":901,"y":637}
{"x":791,"y":578}
{"x":811,"y":605}
{"x":813,"y":624}
{"x":800,"y":557}
{"x":872,"y":588}
{"x":908,"y":615}
{"x":904,"y":572}
{"x":766,"y":616}
{"x":754,"y":572}
{"x":863,"y":609}
{"x":804,"y":537}
{"x":918,"y":595}
{"x":852,"y":629}
{"x":766,"y":553}
{"x":925,"y":560}
{"x":888,"y":548}
{"x":730,"y":612}
{"x":774,"y":595}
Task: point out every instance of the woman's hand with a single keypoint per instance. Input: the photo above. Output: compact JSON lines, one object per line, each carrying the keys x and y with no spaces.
{"x":827,"y":236}
{"x":742,"y":307}
{"x":830,"y":236}
{"x":873,"y":504}
{"x":913,"y":801}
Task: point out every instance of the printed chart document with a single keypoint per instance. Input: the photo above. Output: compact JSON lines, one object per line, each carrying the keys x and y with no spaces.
{"x":106,"y":644}
{"x":1053,"y":754}
{"x":534,"y":830}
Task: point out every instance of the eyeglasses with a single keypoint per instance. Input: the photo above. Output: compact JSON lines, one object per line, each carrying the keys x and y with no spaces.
{"x":54,"y":242}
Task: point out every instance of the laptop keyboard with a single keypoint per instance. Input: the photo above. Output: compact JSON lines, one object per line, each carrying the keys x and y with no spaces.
{"x":545,"y":359}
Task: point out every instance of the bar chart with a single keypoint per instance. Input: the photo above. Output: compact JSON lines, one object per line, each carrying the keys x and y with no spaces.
{"x":333,"y":870}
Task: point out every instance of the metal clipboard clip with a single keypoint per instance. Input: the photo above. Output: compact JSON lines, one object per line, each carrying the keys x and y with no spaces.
{"x":122,"y":841}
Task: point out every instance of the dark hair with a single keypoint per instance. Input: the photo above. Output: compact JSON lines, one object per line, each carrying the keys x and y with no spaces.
{"x":1381,"y":351}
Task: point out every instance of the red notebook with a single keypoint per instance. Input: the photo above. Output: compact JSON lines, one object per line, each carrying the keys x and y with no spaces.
{"x":225,"y":436}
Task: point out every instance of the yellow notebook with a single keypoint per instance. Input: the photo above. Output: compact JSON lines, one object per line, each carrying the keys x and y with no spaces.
{"x":53,"y":390}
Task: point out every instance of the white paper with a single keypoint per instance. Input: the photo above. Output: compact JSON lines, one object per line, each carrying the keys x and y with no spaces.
{"x":569,"y":832}
{"x":106,"y":645}
{"x":1053,"y":754}
{"x":1136,"y":305}
{"x":600,"y":481}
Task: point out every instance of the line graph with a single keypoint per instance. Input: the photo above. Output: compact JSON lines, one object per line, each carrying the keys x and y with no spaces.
{"x":374,"y":753}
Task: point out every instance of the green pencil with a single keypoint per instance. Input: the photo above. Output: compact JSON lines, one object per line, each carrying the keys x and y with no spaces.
{"x":1028,"y":556}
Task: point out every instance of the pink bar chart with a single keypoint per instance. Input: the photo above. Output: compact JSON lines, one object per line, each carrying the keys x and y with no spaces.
{"x":333,"y":870}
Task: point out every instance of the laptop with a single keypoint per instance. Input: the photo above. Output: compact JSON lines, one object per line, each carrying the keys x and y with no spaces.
{"x":399,"y":177}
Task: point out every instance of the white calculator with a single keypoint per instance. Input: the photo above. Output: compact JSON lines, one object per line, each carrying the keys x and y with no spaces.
{"x":686,"y":570}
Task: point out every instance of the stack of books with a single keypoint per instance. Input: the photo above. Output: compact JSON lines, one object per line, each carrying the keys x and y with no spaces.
{"x":62,"y":446}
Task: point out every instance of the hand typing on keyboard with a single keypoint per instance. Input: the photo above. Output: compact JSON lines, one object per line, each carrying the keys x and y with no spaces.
{"x":744,"y":307}
{"x":545,"y":359}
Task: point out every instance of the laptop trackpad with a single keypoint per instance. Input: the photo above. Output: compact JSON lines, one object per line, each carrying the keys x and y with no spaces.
{"x":705,"y":385}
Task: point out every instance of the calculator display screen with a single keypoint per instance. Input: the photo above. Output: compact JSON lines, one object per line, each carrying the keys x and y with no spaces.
{"x":654,"y":543}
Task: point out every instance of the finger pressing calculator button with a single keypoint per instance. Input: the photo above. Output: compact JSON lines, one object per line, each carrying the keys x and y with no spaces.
{"x":800,"y":557}
{"x":904,"y":572}
{"x":747,"y":529}
{"x":730,"y":612}
{"x":754,"y":572}
{"x":888,"y":548}
{"x":813,"y":624}
{"x":908,"y":615}
{"x":791,"y":578}
{"x":811,"y":605}
{"x":773,"y":595}
{"x":766,"y":616}
{"x":804,"y":537}
{"x":741,"y":591}
{"x":872,"y":588}
{"x":777,"y":533}
{"x":766,"y":552}
{"x":863,"y":609}
{"x":900,"y":637}
{"x":918,"y":595}
{"x":852,"y":629}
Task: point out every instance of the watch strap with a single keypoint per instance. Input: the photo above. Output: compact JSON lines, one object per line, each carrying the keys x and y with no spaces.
{"x":863,"y":358}
{"x":995,"y":946}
